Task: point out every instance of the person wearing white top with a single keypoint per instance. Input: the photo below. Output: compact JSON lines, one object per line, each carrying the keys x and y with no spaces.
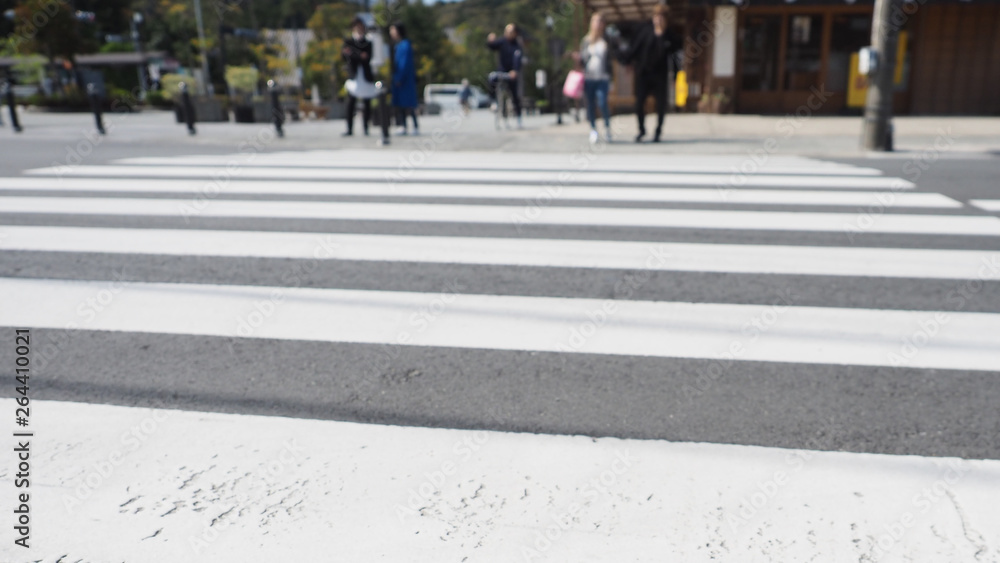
{"x":596,"y":56}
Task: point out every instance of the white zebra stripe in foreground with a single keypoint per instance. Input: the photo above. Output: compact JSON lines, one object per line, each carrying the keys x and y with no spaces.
{"x":734,"y":258}
{"x":568,"y":177}
{"x":303,"y":489}
{"x":591,"y":216}
{"x":776,"y":333}
{"x":877,"y":200}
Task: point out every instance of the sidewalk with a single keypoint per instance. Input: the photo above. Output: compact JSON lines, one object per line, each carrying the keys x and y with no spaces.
{"x":810,"y":136}
{"x":976,"y":137}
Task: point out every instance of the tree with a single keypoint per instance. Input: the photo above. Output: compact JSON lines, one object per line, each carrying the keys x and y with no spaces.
{"x":47,"y":27}
{"x":322,"y":61}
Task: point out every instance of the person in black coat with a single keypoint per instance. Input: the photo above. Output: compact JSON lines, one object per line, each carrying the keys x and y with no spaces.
{"x":357,"y":53}
{"x":651,"y":51}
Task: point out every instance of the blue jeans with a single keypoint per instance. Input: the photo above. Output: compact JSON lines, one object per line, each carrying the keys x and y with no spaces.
{"x":596,"y":93}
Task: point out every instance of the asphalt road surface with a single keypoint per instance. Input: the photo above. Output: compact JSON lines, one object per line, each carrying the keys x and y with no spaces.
{"x":865,"y":319}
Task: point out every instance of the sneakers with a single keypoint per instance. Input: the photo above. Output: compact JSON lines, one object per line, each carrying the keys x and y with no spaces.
{"x":594,"y":136}
{"x":401,"y":131}
{"x":416,"y":132}
{"x":607,"y":135}
{"x":347,"y":134}
{"x":640,"y":136}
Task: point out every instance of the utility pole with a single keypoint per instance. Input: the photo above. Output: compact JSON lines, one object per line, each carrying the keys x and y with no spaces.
{"x":877,"y":133}
{"x":134,"y":22}
{"x":206,"y":87}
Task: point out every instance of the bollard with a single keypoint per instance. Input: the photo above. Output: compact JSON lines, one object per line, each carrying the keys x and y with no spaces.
{"x":95,"y":106}
{"x":188,"y":108}
{"x":383,"y":111}
{"x":277,"y":114}
{"x":9,"y":94}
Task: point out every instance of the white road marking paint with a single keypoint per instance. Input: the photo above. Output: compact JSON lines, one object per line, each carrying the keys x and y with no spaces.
{"x":210,"y":487}
{"x":513,"y":161}
{"x":545,"y":194}
{"x":734,"y":258}
{"x":769,"y":333}
{"x":567,"y":177}
{"x":590,"y":216}
{"x":991,"y":205}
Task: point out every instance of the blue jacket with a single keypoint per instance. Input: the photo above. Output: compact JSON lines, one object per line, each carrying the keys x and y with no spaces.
{"x":404,"y":76}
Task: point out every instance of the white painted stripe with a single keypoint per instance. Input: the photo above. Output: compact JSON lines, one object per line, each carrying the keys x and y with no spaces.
{"x":568,"y":177}
{"x":733,"y":258}
{"x":668,"y":218}
{"x":601,"y":163}
{"x":813,"y":335}
{"x":992,"y":205}
{"x":485,"y":191}
{"x":594,"y":160}
{"x":209,"y":487}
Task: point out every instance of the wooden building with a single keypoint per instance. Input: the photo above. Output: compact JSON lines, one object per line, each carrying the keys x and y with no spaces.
{"x":780,"y":56}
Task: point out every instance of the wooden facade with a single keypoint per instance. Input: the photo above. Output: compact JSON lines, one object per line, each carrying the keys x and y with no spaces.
{"x":786,"y":52}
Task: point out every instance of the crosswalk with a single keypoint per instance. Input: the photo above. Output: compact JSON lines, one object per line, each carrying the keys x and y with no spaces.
{"x":392,"y":355}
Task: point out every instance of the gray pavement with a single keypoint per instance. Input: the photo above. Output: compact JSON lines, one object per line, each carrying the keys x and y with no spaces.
{"x":857,"y":408}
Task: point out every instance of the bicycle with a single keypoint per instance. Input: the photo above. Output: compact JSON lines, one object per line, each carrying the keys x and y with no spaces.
{"x":504,"y":99}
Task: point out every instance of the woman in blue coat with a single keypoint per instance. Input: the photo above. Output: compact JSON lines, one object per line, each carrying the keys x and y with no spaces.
{"x":404,"y":79}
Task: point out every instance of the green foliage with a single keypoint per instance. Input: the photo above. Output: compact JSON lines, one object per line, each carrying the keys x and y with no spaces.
{"x":116,"y":48}
{"x":322,"y":62}
{"x":171,"y":84}
{"x":242,"y":78}
{"x":157,"y":99}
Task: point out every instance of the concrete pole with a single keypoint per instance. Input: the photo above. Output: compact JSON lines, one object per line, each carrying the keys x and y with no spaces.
{"x":206,"y":87}
{"x":134,"y":22}
{"x":877,"y":132}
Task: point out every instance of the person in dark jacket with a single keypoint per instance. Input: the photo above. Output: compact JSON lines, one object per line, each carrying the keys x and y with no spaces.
{"x":511,"y":56}
{"x":357,"y":53}
{"x":651,"y":52}
{"x":404,"y":79}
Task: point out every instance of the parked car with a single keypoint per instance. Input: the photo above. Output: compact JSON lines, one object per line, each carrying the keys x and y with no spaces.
{"x":446,"y":96}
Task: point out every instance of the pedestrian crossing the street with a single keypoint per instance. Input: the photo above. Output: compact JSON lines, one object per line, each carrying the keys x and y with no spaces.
{"x":398,"y":355}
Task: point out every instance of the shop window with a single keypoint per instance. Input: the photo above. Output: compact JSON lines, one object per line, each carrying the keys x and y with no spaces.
{"x":759,"y":62}
{"x":850,"y":33}
{"x":803,"y":51}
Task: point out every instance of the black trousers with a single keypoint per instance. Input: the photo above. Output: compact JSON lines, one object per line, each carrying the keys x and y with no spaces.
{"x":402,"y":113}
{"x":644,"y":86}
{"x":366,"y":113}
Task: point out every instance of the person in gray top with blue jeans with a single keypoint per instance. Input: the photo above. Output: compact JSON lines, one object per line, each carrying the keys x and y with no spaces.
{"x":597,"y":54}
